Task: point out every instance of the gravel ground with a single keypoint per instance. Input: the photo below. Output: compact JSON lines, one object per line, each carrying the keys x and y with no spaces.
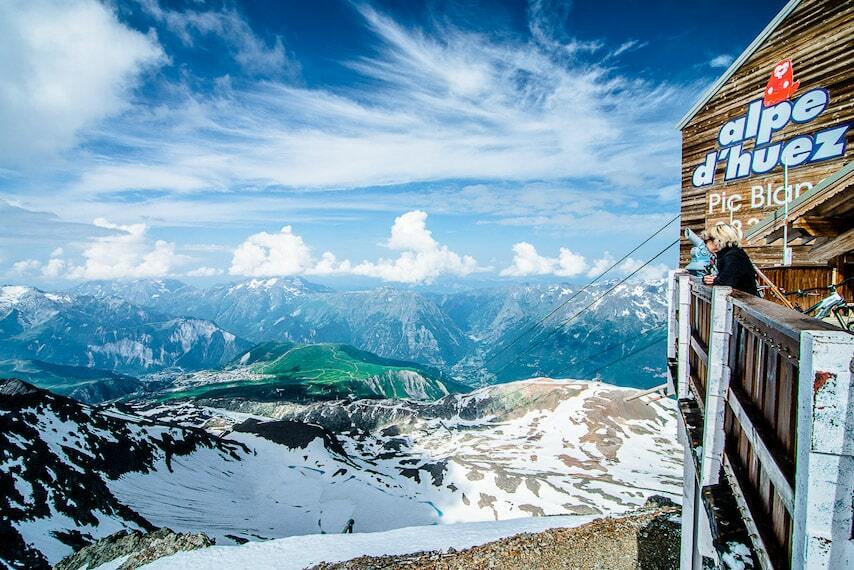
{"x":647,"y":540}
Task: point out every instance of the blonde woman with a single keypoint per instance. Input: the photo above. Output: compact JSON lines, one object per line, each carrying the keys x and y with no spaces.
{"x":734,"y":266}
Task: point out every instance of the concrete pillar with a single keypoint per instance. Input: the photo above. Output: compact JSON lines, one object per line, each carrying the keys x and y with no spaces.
{"x":683,"y":335}
{"x":824,"y":474}
{"x":689,"y":503}
{"x":672,"y":326}
{"x":717,"y":385}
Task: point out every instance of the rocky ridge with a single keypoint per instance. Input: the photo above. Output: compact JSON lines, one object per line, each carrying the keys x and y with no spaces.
{"x":647,"y":539}
{"x":128,"y":550}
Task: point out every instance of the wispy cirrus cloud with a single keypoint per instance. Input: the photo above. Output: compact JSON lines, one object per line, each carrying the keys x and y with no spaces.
{"x":540,"y":132}
{"x":435,"y":105}
{"x":721,"y":61}
{"x":255,"y":55}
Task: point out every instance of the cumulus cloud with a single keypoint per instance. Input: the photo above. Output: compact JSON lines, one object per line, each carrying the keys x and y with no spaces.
{"x":26,"y":266}
{"x":601,"y":265}
{"x":65,"y":66}
{"x":285,"y":253}
{"x":421,"y":257}
{"x":652,"y":272}
{"x":526,"y":261}
{"x":127,"y":254}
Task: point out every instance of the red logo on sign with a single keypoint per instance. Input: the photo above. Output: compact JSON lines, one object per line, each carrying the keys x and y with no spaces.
{"x":781,"y":86}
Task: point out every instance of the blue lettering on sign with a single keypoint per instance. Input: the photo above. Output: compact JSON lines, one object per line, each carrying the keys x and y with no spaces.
{"x":760,"y":124}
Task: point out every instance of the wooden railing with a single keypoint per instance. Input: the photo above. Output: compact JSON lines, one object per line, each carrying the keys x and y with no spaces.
{"x":740,"y":361}
{"x":701,"y":322}
{"x":760,"y":419}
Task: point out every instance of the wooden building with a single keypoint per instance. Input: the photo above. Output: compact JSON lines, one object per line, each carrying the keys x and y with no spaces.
{"x":765,"y":393}
{"x":787,"y":100}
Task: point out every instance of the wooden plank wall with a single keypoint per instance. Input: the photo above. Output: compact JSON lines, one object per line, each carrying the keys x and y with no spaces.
{"x":819,"y":38}
{"x":806,"y":277}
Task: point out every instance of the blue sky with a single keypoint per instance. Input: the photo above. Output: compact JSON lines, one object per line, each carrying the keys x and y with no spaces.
{"x":349,"y":142}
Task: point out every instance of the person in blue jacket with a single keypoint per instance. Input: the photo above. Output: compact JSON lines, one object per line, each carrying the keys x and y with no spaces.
{"x":734,"y":268}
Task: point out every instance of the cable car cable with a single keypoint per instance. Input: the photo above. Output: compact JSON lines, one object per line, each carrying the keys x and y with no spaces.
{"x":577,"y":293}
{"x":573,"y":317}
{"x":632,"y":353}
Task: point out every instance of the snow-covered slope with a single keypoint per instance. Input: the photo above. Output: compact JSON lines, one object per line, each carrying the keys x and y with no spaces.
{"x":537,"y":447}
{"x":300,"y":552}
{"x":72,"y":473}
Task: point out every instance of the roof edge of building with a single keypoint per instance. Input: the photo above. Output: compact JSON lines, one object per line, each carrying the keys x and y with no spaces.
{"x":739,"y":61}
{"x":775,"y":219}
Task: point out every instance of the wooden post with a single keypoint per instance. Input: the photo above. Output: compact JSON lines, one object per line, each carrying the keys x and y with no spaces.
{"x":717,"y":385}
{"x":683,"y":335}
{"x":824,"y":471}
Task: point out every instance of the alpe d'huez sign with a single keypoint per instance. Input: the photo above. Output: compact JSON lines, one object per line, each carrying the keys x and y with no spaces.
{"x":764,"y":117}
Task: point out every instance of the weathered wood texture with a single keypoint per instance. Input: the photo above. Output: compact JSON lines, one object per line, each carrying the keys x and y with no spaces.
{"x":818,"y":36}
{"x":764,"y":368}
{"x":698,"y":354}
{"x":806,"y":277}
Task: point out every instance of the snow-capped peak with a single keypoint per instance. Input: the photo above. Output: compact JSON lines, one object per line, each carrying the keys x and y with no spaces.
{"x":12,"y":294}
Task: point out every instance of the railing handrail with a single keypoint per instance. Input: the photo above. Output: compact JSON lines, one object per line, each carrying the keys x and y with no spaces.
{"x":786,"y":321}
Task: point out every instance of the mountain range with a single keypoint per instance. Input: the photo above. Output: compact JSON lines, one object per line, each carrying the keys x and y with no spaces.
{"x":107,"y":333}
{"x":469,"y":334}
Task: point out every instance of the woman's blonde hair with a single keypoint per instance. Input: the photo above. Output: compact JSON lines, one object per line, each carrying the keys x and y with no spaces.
{"x":724,"y":235}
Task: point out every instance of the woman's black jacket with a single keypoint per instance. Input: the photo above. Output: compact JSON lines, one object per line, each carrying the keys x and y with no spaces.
{"x":736,"y":270}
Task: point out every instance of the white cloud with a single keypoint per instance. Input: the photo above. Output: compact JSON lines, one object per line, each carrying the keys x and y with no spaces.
{"x":54,"y":269}
{"x":601,"y":265}
{"x":250,"y":51}
{"x":526,"y":261}
{"x":264,"y":254}
{"x":65,"y":66}
{"x":204,"y":272}
{"x":127,"y":256}
{"x":126,"y":252}
{"x":652,"y":272}
{"x":329,"y":265}
{"x":26,"y":266}
{"x":421,"y":258}
{"x":628,"y":46}
{"x":723,"y":60}
{"x":442,"y":104}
